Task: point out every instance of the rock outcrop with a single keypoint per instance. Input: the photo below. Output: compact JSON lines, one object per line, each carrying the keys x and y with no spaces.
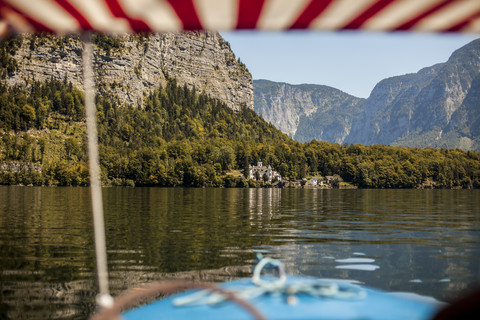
{"x":132,"y":65}
{"x":306,"y":111}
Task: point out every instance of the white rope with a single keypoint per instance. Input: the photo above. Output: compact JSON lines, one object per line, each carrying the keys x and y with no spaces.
{"x":276,"y":286}
{"x":104,"y":299}
{"x":269,"y":262}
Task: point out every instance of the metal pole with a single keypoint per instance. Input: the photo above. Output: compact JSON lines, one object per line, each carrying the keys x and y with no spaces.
{"x":103,"y":299}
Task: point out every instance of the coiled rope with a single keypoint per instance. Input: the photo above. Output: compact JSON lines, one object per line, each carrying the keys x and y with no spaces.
{"x":276,"y":286}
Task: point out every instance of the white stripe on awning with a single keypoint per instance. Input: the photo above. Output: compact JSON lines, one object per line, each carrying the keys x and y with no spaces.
{"x":398,"y":13}
{"x":217,"y":14}
{"x":280,"y":14}
{"x":158,"y":14}
{"x":449,"y":15}
{"x":339,"y":13}
{"x":97,"y":13}
{"x":48,"y":12}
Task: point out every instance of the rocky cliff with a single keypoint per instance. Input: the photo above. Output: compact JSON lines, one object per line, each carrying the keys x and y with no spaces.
{"x":439,"y":106}
{"x":132,"y":65}
{"x":292,"y":108}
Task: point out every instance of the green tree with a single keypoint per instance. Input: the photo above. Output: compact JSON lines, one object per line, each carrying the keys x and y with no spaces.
{"x":28,"y":116}
{"x":226,"y":157}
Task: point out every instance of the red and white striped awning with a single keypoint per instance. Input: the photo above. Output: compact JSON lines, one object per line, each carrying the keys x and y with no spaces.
{"x":120,"y":16}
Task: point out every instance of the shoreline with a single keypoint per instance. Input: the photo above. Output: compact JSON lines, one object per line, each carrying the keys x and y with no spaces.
{"x":347,"y":187}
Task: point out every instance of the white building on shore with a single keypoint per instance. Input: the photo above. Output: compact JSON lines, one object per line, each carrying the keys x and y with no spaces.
{"x":260,"y":170}
{"x":316,"y":181}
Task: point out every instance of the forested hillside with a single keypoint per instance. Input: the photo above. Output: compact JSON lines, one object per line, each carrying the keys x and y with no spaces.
{"x":183,"y":137}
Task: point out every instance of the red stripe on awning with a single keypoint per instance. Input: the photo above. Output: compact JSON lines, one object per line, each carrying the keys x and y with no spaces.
{"x":82,"y":21}
{"x":248,"y":13}
{"x":460,"y":25}
{"x":412,"y":22}
{"x":312,"y":11}
{"x":367,"y":14}
{"x":186,"y":12}
{"x":38,"y":26}
{"x":136,"y":24}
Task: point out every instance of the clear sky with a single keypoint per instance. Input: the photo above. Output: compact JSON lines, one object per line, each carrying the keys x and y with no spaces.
{"x":353,"y":62}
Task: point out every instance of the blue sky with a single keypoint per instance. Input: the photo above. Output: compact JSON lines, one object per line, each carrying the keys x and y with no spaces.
{"x":353,"y":62}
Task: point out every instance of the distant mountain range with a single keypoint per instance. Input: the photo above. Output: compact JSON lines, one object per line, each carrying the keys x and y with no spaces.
{"x":439,"y":106}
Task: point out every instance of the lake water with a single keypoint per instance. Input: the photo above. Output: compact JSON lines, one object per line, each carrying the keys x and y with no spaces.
{"x":420,"y":241}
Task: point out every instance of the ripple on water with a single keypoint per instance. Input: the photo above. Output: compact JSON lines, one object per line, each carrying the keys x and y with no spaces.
{"x":355,"y":260}
{"x":359,"y":254}
{"x":362,"y":267}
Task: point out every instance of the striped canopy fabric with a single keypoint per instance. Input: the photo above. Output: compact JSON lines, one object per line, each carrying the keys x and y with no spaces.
{"x":121,"y":16}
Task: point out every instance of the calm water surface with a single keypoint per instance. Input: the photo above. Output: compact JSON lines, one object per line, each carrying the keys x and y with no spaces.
{"x":421,"y":241}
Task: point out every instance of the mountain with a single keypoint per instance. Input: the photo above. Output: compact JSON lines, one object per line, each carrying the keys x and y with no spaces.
{"x":130,"y":66}
{"x":439,"y":106}
{"x":306,"y":111}
{"x":436,"y":107}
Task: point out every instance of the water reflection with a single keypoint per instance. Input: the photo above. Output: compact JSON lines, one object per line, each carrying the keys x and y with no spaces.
{"x":264,"y":202}
{"x":425,"y":241}
{"x":47,"y":264}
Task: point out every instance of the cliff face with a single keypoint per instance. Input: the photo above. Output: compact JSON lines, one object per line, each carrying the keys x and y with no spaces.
{"x":391,"y":105}
{"x":282,"y":104}
{"x":306,"y":111}
{"x":132,"y":65}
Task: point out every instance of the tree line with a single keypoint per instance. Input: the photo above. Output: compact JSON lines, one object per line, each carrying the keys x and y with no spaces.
{"x":183,"y":137}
